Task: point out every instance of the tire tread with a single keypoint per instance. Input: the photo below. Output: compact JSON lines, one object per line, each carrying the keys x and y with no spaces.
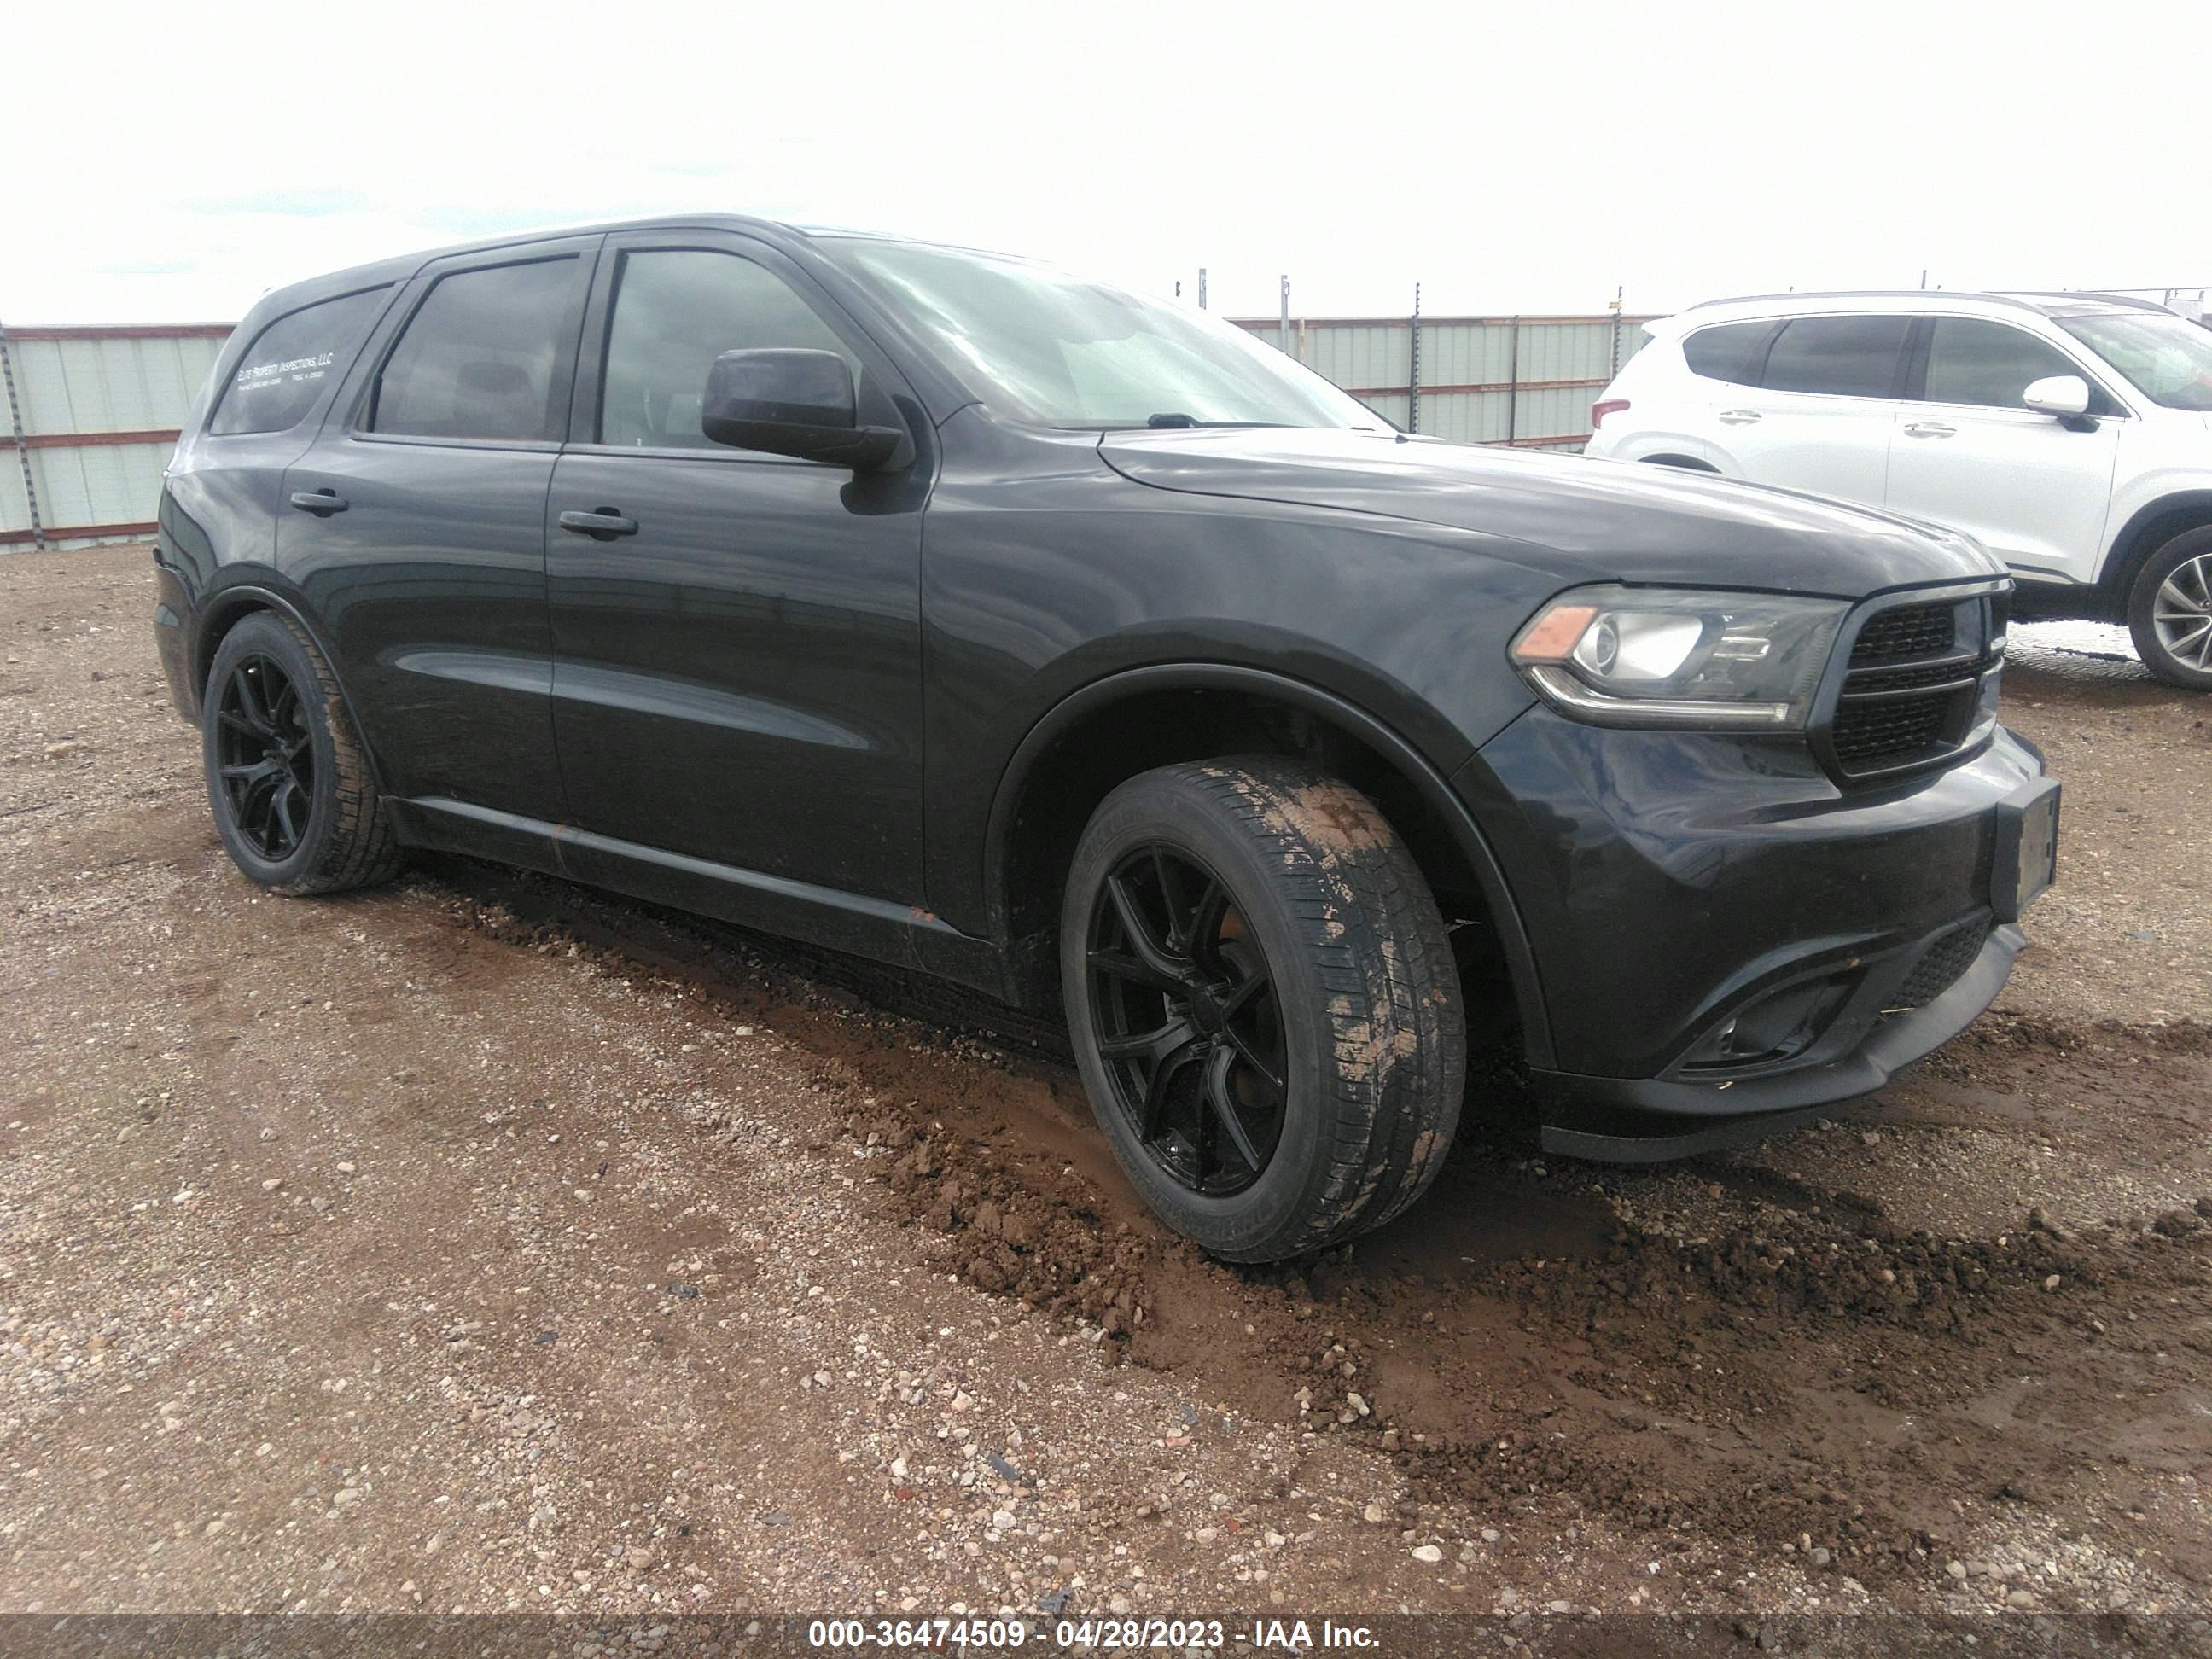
{"x":1374,"y":942}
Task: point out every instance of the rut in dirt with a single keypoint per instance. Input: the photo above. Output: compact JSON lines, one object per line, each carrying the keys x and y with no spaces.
{"x":1810,"y":1377}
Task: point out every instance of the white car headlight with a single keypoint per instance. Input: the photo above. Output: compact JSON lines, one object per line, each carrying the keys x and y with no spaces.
{"x":1635,"y":656}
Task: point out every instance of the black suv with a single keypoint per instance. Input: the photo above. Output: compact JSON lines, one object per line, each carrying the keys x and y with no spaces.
{"x":946,"y":608}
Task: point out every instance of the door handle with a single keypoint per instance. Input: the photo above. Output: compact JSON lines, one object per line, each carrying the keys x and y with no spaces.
{"x":320,"y":502}
{"x":1739,"y":417}
{"x":1930,"y":429}
{"x":601,"y":524}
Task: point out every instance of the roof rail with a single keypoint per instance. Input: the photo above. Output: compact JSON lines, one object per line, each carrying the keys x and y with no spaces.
{"x":2128,"y":299}
{"x":1870,"y":294}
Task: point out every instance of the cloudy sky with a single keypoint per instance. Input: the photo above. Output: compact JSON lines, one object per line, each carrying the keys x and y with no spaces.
{"x":172,"y":161}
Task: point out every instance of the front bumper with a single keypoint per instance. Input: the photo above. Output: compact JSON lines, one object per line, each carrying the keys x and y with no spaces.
{"x":1647,"y":1120}
{"x":1683,"y":893}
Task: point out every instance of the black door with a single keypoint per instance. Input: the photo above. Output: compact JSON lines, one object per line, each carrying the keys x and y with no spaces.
{"x":416,"y":525}
{"x":737,"y":679}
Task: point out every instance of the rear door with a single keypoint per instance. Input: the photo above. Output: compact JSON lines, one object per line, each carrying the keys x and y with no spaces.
{"x":739,"y":677}
{"x":2033,"y":490}
{"x":1725,"y":361}
{"x":416,"y":527}
{"x":1820,"y":418}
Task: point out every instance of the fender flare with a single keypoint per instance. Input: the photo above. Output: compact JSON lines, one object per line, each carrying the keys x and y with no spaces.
{"x":2133,"y":544}
{"x":1436,"y":791}
{"x":226,"y":603}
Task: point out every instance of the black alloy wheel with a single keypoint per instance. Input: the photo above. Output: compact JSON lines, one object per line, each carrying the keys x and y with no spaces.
{"x":266,"y":753}
{"x":289,"y":780}
{"x":1187,"y":1021}
{"x":1262,"y":1002}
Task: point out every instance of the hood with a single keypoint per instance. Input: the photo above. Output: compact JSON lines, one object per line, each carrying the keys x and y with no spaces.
{"x":1585,"y":519}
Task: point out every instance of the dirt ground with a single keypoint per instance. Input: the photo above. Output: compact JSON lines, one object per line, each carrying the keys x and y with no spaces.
{"x":484,"y":1243}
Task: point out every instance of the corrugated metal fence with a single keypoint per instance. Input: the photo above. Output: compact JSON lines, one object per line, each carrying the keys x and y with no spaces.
{"x":93,"y":415}
{"x":1528,"y":382}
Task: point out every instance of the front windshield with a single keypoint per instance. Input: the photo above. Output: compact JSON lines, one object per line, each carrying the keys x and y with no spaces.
{"x":2168,"y":359}
{"x":1063,"y":351}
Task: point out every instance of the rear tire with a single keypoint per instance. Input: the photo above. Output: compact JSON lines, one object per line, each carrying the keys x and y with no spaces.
{"x":2170,"y":611}
{"x":289,"y":782}
{"x":1263,"y":1005}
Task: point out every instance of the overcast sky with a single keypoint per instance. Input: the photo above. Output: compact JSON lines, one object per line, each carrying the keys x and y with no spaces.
{"x":171,"y":162}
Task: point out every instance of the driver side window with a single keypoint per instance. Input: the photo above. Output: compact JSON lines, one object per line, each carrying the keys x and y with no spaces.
{"x":675,"y":311}
{"x":1990,"y":364}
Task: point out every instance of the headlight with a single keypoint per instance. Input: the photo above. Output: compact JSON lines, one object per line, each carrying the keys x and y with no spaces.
{"x":1636,"y":656}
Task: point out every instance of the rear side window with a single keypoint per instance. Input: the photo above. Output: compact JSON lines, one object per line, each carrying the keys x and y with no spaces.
{"x":1734,"y":352}
{"x":1973,"y":361}
{"x":677,"y":310}
{"x":1840,"y":356}
{"x":291,"y":361}
{"x":481,"y":356}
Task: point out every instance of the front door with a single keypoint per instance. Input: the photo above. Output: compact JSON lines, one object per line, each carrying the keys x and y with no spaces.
{"x":2033,"y":490}
{"x":736,"y":678}
{"x":415,"y":524}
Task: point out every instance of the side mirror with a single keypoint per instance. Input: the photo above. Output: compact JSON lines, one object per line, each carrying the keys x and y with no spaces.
{"x":790,"y":402}
{"x":2063,"y":395}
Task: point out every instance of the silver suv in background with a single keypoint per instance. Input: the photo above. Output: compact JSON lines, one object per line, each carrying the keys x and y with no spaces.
{"x":2070,"y":434}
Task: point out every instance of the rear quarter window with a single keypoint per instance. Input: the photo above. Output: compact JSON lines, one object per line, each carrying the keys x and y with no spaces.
{"x":290,"y":363}
{"x":1734,"y":352}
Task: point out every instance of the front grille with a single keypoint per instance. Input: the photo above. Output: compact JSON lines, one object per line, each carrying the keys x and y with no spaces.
{"x":1869,"y":735}
{"x":1909,"y":679}
{"x":1939,"y":970}
{"x":1913,"y":684}
{"x":1910,"y":630}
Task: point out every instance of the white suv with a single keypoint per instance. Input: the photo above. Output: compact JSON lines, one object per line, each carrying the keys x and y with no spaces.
{"x":2069,"y":434}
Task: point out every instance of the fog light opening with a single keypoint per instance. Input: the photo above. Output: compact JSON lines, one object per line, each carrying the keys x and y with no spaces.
{"x":1780,"y":1025}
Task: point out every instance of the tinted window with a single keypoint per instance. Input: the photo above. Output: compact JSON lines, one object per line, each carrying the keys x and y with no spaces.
{"x":291,"y":361}
{"x":480,"y":357}
{"x":1733,"y":351}
{"x":1843,"y":356}
{"x":1972,"y":362}
{"x":676,"y":311}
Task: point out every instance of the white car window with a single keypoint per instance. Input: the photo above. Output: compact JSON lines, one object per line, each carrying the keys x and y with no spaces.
{"x":1858,"y":357}
{"x":1972,"y":361}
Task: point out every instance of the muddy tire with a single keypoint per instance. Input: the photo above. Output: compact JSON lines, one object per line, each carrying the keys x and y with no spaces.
{"x":289,"y":782}
{"x":1262,"y":1003}
{"x":2170,"y":611}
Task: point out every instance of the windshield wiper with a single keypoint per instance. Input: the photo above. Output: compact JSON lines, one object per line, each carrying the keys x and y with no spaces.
{"x":1174,"y":417}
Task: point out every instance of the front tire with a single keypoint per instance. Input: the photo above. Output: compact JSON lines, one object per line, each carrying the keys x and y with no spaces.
{"x":1263,"y":1005}
{"x":2170,"y":611}
{"x":289,"y":782}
